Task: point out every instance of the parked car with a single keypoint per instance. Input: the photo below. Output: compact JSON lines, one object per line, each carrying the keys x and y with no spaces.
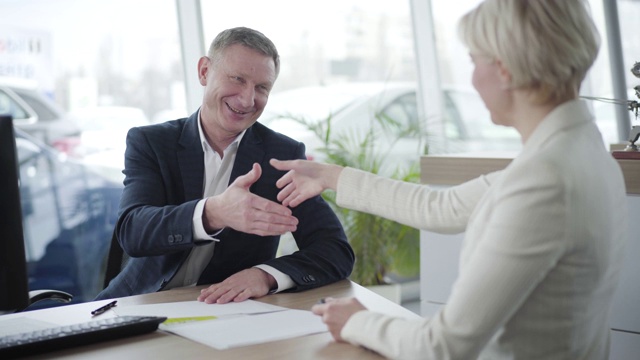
{"x":35,"y":113}
{"x":69,"y":214}
{"x":465,"y":126}
{"x":105,"y":127}
{"x":102,"y":139}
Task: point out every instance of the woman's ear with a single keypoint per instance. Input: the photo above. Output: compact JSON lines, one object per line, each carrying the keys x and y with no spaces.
{"x":504,"y":75}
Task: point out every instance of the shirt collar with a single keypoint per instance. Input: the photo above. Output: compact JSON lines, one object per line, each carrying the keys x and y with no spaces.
{"x":203,"y":140}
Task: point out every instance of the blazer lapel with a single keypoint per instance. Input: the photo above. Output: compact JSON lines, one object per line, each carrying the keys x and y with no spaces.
{"x":191,"y":159}
{"x":250,"y":151}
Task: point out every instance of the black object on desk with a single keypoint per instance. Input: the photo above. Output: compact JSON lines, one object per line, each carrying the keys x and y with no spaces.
{"x":102,"y":309}
{"x":63,"y":337}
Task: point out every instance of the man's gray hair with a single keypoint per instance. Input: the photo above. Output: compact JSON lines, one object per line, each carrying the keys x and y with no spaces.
{"x":250,"y":38}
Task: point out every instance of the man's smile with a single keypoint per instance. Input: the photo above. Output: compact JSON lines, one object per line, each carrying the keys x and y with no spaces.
{"x":235,"y":110}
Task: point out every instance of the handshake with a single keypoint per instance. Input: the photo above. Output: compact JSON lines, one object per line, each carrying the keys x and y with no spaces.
{"x":244,"y":211}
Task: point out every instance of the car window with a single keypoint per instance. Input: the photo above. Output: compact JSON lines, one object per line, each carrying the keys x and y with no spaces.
{"x":9,"y":106}
{"x":477,"y":124}
{"x":39,"y":206}
{"x":68,"y":214}
{"x":45,"y":113}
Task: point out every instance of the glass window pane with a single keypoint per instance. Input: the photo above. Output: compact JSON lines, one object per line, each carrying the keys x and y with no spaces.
{"x":75,"y":63}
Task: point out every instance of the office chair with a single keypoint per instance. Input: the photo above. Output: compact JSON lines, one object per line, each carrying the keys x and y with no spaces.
{"x":116,"y":260}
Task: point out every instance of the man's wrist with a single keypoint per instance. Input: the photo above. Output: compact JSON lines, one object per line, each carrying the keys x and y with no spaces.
{"x":209,"y":218}
{"x":270,"y":280}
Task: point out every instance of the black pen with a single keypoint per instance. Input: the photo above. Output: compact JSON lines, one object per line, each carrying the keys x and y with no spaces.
{"x":102,"y":309}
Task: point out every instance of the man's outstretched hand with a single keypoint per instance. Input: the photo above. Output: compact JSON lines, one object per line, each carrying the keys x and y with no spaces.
{"x":244,"y":211}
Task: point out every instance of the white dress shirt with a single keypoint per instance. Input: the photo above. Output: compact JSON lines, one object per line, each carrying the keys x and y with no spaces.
{"x":216,"y":180}
{"x":541,"y":257}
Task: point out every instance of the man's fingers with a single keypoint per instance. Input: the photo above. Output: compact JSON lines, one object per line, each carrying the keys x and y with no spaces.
{"x":246,"y":180}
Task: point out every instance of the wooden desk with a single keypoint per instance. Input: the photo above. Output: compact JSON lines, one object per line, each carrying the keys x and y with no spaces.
{"x":162,"y":345}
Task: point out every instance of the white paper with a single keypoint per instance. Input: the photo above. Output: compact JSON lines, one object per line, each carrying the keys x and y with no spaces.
{"x":194,"y":308}
{"x":225,"y":333}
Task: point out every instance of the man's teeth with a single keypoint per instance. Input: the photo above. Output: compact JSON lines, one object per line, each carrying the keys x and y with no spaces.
{"x":235,"y":111}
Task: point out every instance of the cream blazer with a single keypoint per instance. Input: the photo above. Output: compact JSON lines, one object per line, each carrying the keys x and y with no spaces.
{"x":541,"y":256}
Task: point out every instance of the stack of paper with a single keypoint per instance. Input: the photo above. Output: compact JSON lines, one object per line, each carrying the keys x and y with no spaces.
{"x":224,"y":326}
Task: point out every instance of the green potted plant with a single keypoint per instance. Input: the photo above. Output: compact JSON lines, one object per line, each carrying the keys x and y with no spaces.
{"x":382,"y":247}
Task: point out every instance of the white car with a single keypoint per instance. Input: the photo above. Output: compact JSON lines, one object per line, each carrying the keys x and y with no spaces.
{"x":35,"y":113}
{"x":105,"y":128}
{"x":102,"y":143}
{"x":354,"y":107}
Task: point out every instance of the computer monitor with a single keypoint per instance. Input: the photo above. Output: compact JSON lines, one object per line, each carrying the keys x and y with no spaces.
{"x":14,"y":290}
{"x":14,"y":280}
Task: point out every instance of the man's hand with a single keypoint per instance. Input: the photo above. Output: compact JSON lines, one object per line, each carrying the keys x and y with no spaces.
{"x":304,"y":179}
{"x":248,"y":283}
{"x":336,"y":312}
{"x":241,"y":210}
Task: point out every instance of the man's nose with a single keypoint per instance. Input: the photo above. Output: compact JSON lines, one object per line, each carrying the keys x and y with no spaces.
{"x":247,"y":97}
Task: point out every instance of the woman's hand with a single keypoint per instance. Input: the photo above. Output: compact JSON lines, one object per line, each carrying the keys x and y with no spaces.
{"x":336,"y":312}
{"x":304,"y":179}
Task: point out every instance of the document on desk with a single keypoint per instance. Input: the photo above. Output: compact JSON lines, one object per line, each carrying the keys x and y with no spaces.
{"x":243,"y":330}
{"x":183,"y":309}
{"x":223,"y":326}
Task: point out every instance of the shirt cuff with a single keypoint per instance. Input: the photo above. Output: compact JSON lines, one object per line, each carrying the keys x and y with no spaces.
{"x":199,"y":233}
{"x":283,"y":280}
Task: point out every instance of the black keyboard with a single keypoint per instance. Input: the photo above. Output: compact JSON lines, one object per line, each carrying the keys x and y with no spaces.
{"x":62,"y":337}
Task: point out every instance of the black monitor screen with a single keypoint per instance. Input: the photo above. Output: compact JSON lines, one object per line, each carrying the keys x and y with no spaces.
{"x":14,"y":292}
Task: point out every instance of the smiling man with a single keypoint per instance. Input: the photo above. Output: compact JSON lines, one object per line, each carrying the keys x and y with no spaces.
{"x":199,"y":204}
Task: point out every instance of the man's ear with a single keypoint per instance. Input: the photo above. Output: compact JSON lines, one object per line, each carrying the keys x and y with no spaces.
{"x":504,"y":74}
{"x":204,"y":66}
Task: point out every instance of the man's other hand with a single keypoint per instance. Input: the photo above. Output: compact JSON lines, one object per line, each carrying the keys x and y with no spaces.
{"x":248,"y":283}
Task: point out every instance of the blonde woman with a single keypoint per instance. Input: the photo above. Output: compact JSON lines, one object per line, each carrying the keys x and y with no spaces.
{"x":544,"y":238}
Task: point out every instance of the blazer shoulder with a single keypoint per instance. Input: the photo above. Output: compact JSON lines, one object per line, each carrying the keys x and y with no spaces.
{"x":270,"y":136}
{"x":164,"y":133}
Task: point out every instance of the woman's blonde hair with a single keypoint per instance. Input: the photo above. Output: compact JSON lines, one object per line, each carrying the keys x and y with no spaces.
{"x":547,"y":45}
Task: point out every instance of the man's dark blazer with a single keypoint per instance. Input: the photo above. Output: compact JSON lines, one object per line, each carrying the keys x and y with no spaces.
{"x":164,"y":172}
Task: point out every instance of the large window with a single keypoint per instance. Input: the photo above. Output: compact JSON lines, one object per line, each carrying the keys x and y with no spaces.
{"x":455,"y":68}
{"x":325,"y":42}
{"x":64,"y":66}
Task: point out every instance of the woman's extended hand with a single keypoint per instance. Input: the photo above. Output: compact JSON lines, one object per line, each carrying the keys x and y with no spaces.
{"x":304,"y":179}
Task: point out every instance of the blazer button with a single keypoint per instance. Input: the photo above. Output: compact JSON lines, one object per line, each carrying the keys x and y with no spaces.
{"x":178,"y":238}
{"x":171,"y":239}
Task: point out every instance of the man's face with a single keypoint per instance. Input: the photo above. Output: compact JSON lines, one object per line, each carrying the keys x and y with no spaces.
{"x":236,"y":90}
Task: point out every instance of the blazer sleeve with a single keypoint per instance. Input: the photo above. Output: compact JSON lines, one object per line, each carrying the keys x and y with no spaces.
{"x":155,"y":218}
